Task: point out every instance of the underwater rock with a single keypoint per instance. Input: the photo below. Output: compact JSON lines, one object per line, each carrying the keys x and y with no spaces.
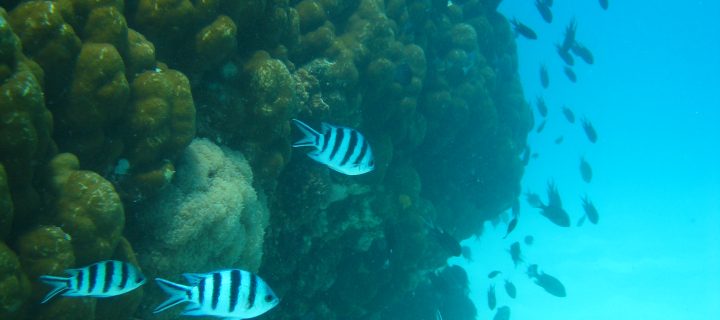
{"x":45,"y":250}
{"x":215,"y":43}
{"x":87,"y":208}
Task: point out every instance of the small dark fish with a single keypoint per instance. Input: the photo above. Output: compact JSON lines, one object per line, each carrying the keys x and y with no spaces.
{"x":544,"y":78}
{"x":554,"y":210}
{"x":535,"y":155}
{"x":569,"y":114}
{"x":492,"y":300}
{"x":590,"y":210}
{"x":533,"y":200}
{"x":565,"y":55}
{"x":541,"y":106}
{"x":585,"y":170}
{"x":529,"y":240}
{"x":467,"y":253}
{"x":515,"y":253}
{"x":447,"y":241}
{"x":570,"y":74}
{"x":403,"y":74}
{"x":511,"y":226}
{"x":544,"y":10}
{"x":551,"y":284}
{"x":523,"y":30}
{"x":541,"y":126}
{"x":510,"y":289}
{"x":494,"y":274}
{"x":559,"y":139}
{"x":583,"y":52}
{"x":589,"y":130}
{"x":570,"y":32}
{"x":502,"y":313}
{"x":604,"y":4}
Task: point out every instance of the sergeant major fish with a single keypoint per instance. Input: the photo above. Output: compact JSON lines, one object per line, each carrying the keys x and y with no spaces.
{"x":232,"y":293}
{"x":544,"y":78}
{"x":342,"y":149}
{"x":551,"y":284}
{"x":492,"y":300}
{"x":510,"y":289}
{"x":570,"y":74}
{"x":99,"y":280}
{"x":590,"y":210}
{"x":589,"y":130}
{"x":541,"y":106}
{"x":585,"y":170}
{"x":569,"y":114}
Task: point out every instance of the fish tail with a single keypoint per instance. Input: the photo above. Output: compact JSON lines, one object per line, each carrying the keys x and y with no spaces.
{"x":311,"y":137}
{"x":60,"y":286}
{"x":178,"y":294}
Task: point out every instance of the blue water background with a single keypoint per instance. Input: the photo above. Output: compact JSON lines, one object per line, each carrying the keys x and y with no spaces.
{"x":653,"y":94}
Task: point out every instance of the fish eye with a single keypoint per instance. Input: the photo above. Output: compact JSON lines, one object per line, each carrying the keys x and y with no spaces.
{"x":269,"y":298}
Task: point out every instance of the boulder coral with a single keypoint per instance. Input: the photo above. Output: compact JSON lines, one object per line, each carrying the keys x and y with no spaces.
{"x":14,"y":285}
{"x":25,"y":124}
{"x":87,"y":208}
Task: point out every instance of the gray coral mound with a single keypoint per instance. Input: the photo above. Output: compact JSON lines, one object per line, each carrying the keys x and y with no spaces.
{"x":210,"y":217}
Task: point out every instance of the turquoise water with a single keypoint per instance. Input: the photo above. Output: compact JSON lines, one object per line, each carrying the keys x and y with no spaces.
{"x":652,"y":96}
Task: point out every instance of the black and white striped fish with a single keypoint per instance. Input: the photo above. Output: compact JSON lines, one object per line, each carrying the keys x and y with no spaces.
{"x":102,"y":279}
{"x":232,"y":293}
{"x":342,"y":149}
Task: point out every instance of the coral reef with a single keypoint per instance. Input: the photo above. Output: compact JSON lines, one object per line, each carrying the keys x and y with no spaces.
{"x":210,"y":217}
{"x":99,"y":101}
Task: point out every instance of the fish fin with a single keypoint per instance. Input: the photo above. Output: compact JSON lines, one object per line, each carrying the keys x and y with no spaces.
{"x":310,"y":136}
{"x":326,"y":127}
{"x":60,"y":285}
{"x":193,"y":310}
{"x":194,"y":278}
{"x":177,"y":293}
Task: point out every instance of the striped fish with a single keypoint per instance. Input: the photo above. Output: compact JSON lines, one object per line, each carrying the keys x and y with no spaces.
{"x":342,"y":149}
{"x":100,"y":280}
{"x":231,"y":293}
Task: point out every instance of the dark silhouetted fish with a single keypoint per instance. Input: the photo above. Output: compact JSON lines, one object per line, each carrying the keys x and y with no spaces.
{"x":523,"y":30}
{"x":565,"y":55}
{"x":570,"y":32}
{"x":544,"y":10}
{"x":589,"y":130}
{"x":583,"y":52}
{"x":551,"y":284}
{"x":511,"y":226}
{"x":535,"y":155}
{"x":559,"y":139}
{"x":492,"y":300}
{"x":541,"y":126}
{"x":510,"y":289}
{"x":529,"y":240}
{"x":502,"y":313}
{"x":544,"y":78}
{"x":585,"y":170}
{"x":515,"y":253}
{"x":494,"y":274}
{"x":533,"y":200}
{"x":570,"y":74}
{"x":541,"y":106}
{"x":581,"y":221}
{"x":569,"y":114}
{"x":553,"y":210}
{"x":590,"y":210}
{"x":604,"y":4}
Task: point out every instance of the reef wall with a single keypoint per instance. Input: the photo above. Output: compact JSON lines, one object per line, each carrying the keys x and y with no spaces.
{"x":99,"y":101}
